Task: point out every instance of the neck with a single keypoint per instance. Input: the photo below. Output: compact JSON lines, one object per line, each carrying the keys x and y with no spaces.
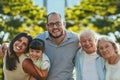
{"x":59,"y":40}
{"x":114,"y":59}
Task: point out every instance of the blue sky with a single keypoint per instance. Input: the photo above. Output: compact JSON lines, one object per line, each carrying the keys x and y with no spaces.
{"x":70,"y":2}
{"x":56,"y":5}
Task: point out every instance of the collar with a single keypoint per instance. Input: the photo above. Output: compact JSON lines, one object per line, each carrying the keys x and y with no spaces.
{"x":94,"y":54}
{"x":68,"y":35}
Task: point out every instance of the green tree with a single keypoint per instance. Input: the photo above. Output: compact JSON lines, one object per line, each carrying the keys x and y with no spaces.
{"x":21,"y":15}
{"x":102,"y":16}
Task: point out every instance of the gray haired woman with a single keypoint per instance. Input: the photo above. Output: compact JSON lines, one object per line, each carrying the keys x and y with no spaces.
{"x":109,"y":50}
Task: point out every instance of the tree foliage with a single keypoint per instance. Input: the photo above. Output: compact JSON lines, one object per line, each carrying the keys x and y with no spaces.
{"x":102,"y":16}
{"x":21,"y":16}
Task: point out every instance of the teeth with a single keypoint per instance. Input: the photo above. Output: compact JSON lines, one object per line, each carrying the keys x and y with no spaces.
{"x":17,"y":47}
{"x":87,"y":47}
{"x":56,"y":30}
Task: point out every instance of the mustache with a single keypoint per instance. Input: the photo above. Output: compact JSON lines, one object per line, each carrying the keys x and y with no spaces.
{"x":55,"y":37}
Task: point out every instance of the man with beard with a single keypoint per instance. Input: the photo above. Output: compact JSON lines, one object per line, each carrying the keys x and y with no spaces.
{"x":60,"y":46}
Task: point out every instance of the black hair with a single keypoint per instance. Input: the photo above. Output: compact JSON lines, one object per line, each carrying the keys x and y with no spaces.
{"x":37,"y":44}
{"x":12,"y":57}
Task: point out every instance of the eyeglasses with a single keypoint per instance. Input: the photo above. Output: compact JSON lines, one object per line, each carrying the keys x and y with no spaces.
{"x":56,"y":23}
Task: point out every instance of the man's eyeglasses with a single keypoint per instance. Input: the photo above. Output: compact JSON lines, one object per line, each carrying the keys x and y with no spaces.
{"x":56,"y":23}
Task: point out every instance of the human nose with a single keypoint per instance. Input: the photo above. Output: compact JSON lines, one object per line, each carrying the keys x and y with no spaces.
{"x":55,"y":25}
{"x":103,"y":49}
{"x":20,"y":44}
{"x":87,"y":42}
{"x":33,"y":53}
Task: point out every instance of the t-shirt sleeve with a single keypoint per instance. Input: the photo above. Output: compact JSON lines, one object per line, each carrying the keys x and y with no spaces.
{"x":45,"y":64}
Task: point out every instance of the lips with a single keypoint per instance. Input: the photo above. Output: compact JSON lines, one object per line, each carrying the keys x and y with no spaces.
{"x":87,"y":47}
{"x":55,"y":30}
{"x":104,"y":54}
{"x":17,"y":48}
{"x":33,"y":57}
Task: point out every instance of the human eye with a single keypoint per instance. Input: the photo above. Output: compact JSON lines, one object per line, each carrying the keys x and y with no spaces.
{"x":19,"y":40}
{"x":25,"y":44}
{"x":51,"y":24}
{"x":100,"y":48}
{"x":31,"y":50}
{"x":83,"y":41}
{"x":37,"y":51}
{"x":58,"y":23}
{"x":107,"y":46}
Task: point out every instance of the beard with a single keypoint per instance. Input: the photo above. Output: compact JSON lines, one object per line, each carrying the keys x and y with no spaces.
{"x":55,"y":37}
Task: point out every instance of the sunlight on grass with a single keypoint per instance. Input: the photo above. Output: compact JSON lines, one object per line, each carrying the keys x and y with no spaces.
{"x":0,"y":69}
{"x":0,"y":73}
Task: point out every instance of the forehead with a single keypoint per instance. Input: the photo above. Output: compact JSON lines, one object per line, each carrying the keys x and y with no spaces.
{"x":54,"y":18}
{"x":23,"y":39}
{"x":86,"y":36}
{"x":104,"y":42}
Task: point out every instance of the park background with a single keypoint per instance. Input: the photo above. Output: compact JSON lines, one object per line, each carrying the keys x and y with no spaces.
{"x":101,"y":16}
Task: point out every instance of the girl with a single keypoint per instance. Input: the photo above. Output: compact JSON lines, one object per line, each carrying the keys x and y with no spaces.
{"x":17,"y":66}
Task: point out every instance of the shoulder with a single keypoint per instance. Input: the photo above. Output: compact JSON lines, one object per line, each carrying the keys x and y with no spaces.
{"x":100,"y":59}
{"x":72,"y":34}
{"x":79,"y":50}
{"x":27,"y":61}
{"x":45,"y":57}
{"x":23,"y":57}
{"x":42,"y":35}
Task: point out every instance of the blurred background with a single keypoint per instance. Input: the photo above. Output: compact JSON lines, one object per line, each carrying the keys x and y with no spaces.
{"x":101,"y":16}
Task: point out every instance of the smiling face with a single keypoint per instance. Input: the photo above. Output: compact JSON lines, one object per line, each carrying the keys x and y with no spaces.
{"x":35,"y":54}
{"x":106,"y":49}
{"x":20,"y":45}
{"x":88,"y":43}
{"x":55,"y":26}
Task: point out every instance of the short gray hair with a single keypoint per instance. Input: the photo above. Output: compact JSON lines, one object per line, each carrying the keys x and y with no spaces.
{"x":89,"y":32}
{"x":108,"y":39}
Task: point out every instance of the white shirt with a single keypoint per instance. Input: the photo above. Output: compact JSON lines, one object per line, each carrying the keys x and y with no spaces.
{"x":89,"y":67}
{"x":113,"y":71}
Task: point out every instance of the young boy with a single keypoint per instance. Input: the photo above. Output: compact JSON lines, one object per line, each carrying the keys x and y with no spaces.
{"x":36,"y":53}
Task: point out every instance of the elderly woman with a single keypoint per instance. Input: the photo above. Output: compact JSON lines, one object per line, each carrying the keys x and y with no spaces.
{"x":108,"y":49}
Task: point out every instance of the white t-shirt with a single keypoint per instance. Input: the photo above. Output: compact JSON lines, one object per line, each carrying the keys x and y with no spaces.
{"x":44,"y":63}
{"x":89,"y":67}
{"x":113,"y":71}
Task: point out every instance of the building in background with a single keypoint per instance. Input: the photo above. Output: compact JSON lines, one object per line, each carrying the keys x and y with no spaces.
{"x":56,"y":5}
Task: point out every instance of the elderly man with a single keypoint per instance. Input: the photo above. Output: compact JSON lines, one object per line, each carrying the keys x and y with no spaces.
{"x":88,"y":64}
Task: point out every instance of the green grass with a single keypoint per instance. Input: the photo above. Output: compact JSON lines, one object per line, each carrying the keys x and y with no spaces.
{"x":0,"y":68}
{"x":0,"y":73}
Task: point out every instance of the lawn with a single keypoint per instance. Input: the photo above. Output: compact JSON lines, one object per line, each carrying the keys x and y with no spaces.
{"x":0,"y":69}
